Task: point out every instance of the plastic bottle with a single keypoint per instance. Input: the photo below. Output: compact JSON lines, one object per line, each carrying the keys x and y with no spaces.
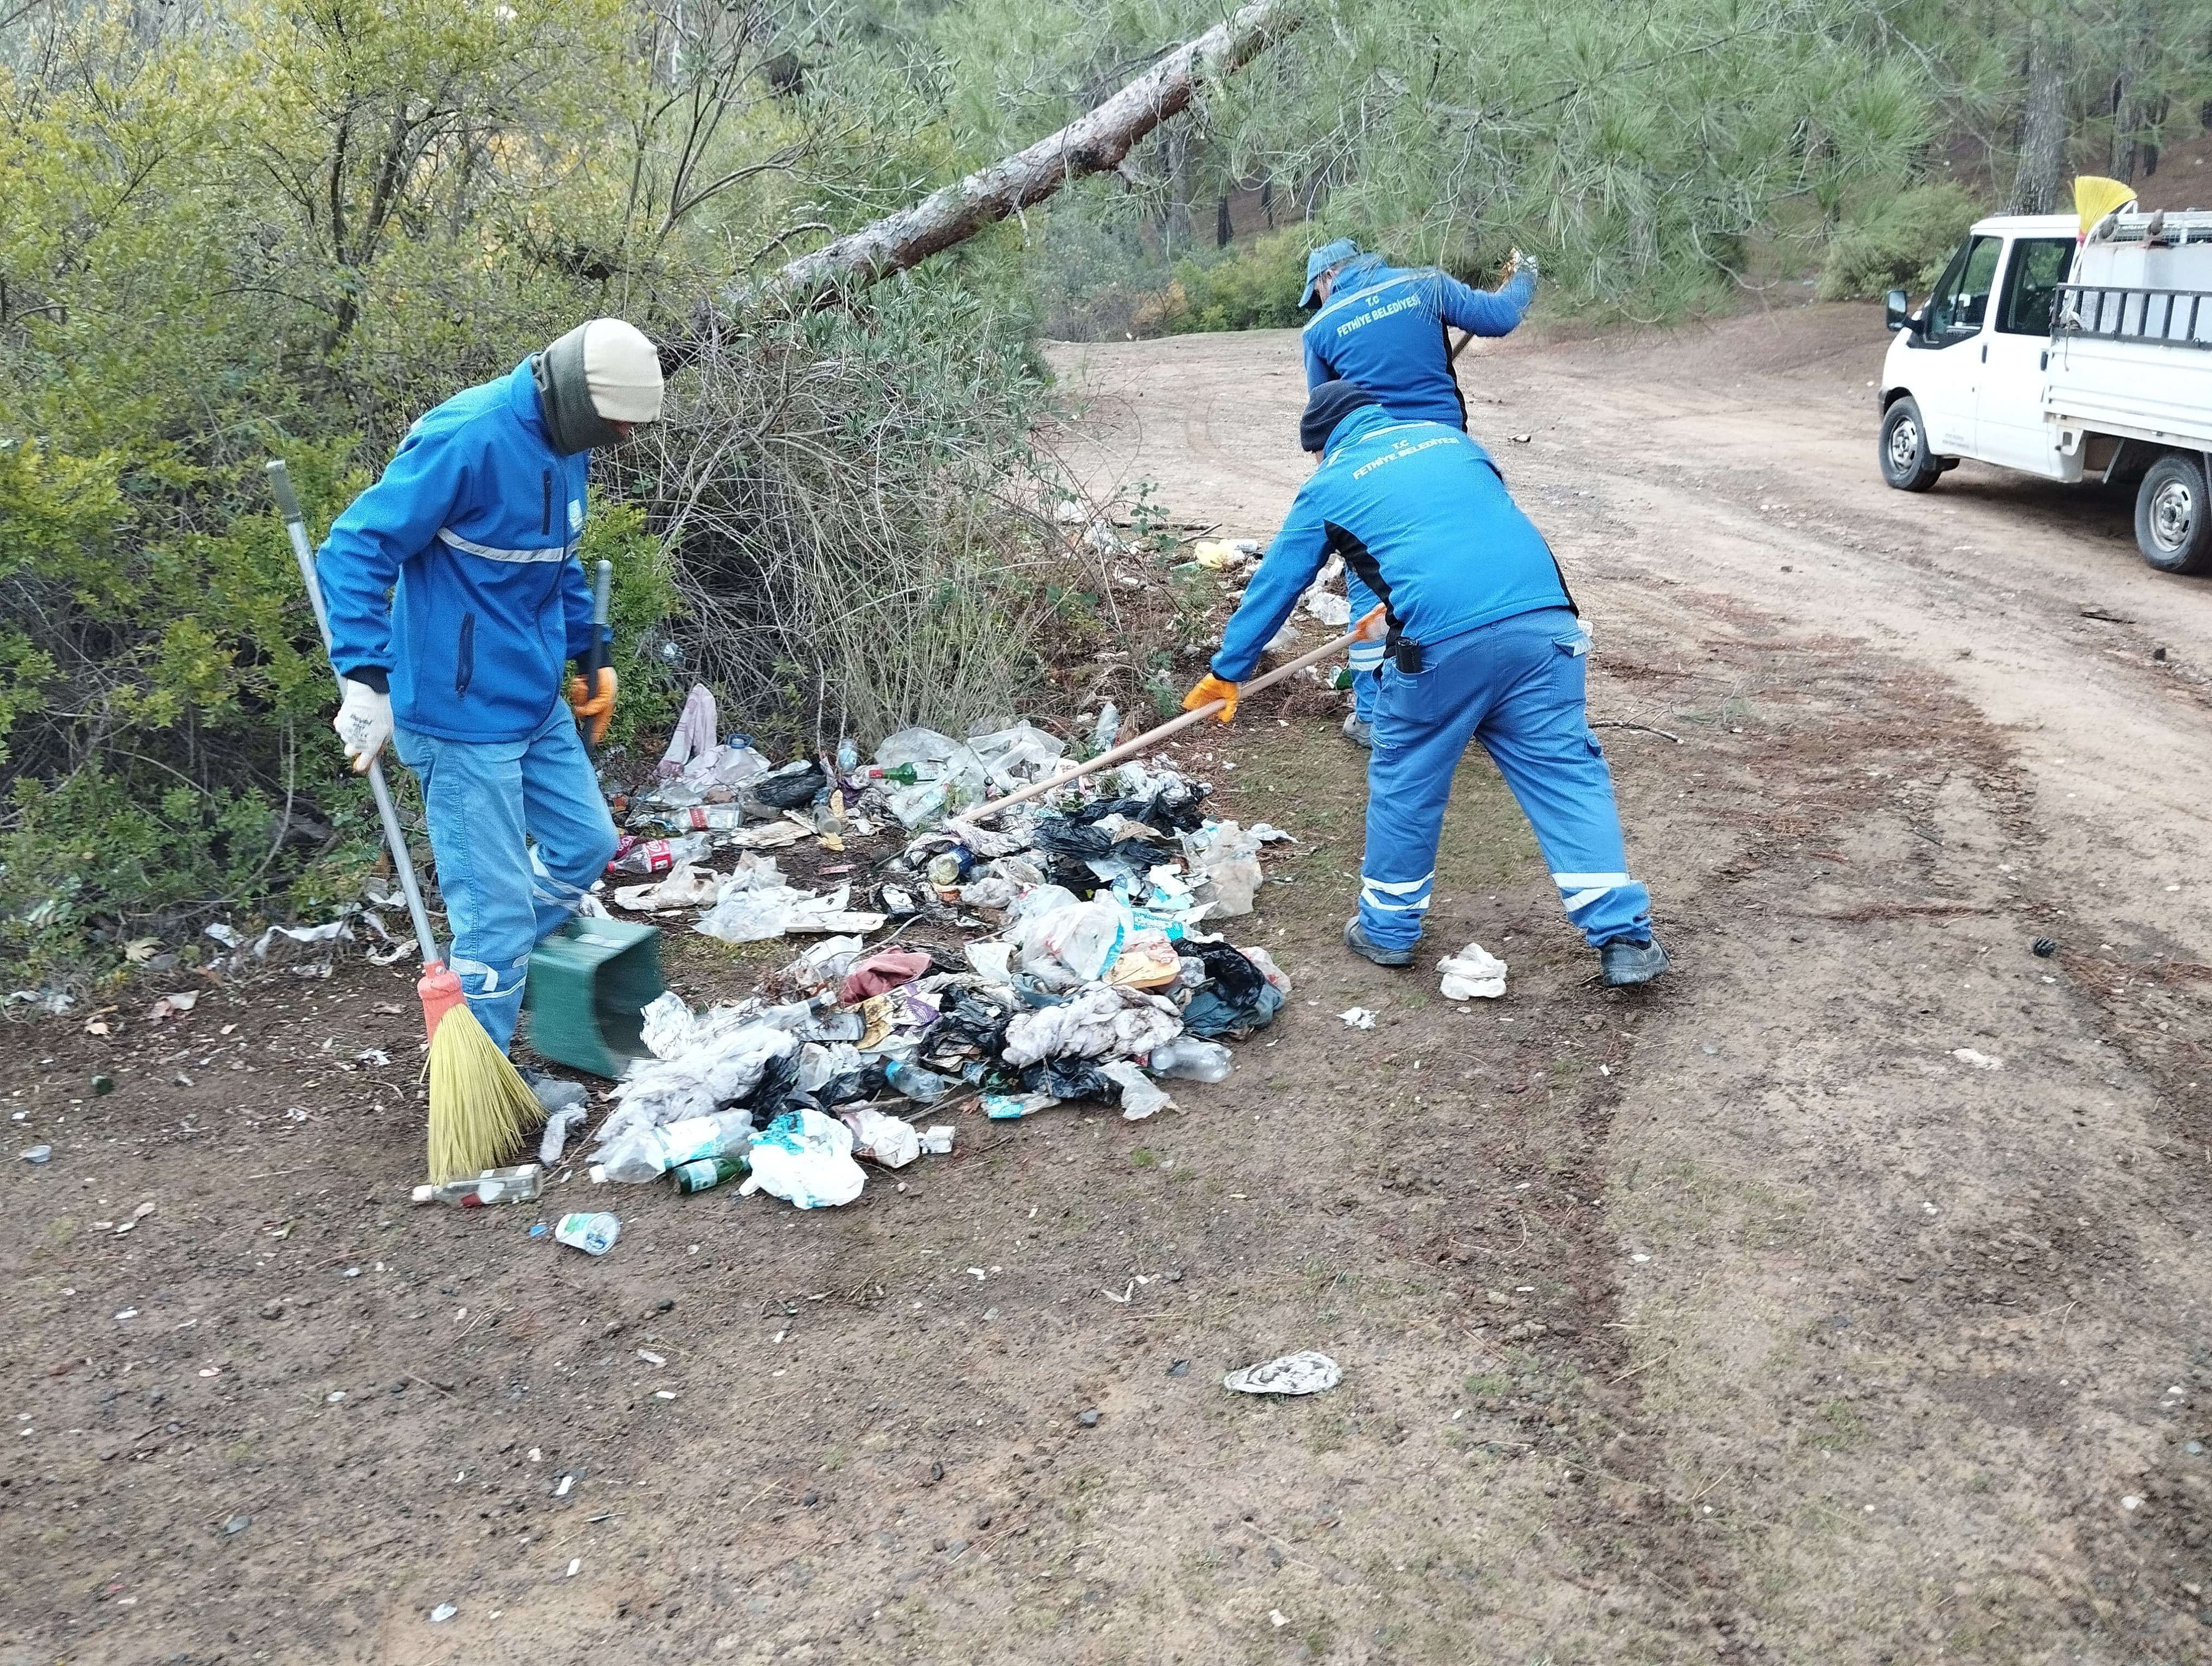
{"x":1110,"y":725}
{"x":592,"y":1234}
{"x":950,"y":867}
{"x":848,"y":758}
{"x":704,"y":1172}
{"x":515,"y":1185}
{"x":712,"y":817}
{"x":926,"y":1086}
{"x":648,"y":1153}
{"x":1188,"y":1059}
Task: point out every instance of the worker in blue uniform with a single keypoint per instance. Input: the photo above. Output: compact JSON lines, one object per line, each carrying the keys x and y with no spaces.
{"x":455,"y":597}
{"x":1484,"y":644}
{"x":1386,"y":328}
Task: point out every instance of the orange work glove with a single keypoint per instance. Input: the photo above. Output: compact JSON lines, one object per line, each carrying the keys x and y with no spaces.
{"x":1210,"y":689}
{"x":597,"y":711}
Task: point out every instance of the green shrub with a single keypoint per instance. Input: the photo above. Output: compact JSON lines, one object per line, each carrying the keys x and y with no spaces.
{"x":1249,"y":289}
{"x":1901,"y":242}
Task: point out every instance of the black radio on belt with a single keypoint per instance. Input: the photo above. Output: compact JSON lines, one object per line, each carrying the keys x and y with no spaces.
{"x":1408,"y":656}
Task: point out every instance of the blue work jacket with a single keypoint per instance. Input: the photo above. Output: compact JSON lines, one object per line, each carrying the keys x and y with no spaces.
{"x":456,"y":575}
{"x":1383,"y":328}
{"x":1418,"y":512}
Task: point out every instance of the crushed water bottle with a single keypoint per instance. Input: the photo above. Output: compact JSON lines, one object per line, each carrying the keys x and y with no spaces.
{"x":515,"y":1185}
{"x":1188,"y":1059}
{"x":1110,"y":725}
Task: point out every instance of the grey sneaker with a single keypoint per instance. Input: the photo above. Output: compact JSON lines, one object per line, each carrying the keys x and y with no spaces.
{"x":1359,"y":733}
{"x":1624,"y":961}
{"x":1356,"y":940}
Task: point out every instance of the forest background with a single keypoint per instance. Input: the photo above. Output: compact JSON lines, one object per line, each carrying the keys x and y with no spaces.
{"x":235,"y":229}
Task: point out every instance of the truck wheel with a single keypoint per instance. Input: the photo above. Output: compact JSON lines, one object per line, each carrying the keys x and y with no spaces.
{"x":2173,"y":522}
{"x":1905,"y":461}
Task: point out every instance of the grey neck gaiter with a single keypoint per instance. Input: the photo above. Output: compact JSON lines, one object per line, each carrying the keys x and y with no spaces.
{"x":572,"y":421}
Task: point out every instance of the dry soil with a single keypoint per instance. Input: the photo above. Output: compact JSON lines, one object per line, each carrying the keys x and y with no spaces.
{"x":1842,"y":1298}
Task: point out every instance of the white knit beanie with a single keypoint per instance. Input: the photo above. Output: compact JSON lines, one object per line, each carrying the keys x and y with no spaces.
{"x":623,"y":371}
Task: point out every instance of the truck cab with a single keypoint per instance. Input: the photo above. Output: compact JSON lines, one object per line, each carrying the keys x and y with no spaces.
{"x":1964,"y":376}
{"x":2071,"y":350}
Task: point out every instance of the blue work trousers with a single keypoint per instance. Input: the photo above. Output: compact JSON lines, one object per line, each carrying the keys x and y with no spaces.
{"x":487,"y":802}
{"x":1516,"y":686}
{"x":1366,"y":657}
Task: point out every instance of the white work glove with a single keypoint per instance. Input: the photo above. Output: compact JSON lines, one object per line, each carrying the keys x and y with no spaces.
{"x":363,"y":723}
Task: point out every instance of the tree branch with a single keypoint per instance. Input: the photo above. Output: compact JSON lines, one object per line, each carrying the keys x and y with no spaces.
{"x":1092,"y":143}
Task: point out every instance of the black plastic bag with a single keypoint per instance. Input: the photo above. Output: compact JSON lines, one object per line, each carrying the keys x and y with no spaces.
{"x":1069,"y":1078}
{"x":790,"y":791}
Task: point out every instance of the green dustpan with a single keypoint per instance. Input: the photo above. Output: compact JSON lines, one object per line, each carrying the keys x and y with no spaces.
{"x":588,"y":983}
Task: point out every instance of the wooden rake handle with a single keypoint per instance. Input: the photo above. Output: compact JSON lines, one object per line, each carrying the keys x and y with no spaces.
{"x":1366,"y":630}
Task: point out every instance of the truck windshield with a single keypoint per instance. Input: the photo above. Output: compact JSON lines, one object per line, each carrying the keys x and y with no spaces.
{"x":1962,"y":300}
{"x":2038,"y":268}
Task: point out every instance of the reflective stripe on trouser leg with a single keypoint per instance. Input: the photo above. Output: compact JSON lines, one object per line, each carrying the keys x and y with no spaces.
{"x":1422,"y":724}
{"x":494,"y":994}
{"x":1540,"y":739}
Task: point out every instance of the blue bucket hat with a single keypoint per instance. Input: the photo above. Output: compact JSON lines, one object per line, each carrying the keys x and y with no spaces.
{"x":1328,"y":255}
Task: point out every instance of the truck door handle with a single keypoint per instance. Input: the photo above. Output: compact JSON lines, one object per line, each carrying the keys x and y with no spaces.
{"x":1985,"y":352}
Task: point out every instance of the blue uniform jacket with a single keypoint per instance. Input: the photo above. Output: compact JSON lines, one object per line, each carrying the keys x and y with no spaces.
{"x":1418,"y":511}
{"x":1384,"y":329}
{"x":454,"y":573}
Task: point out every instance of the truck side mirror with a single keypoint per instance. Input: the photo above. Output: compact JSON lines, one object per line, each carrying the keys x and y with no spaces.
{"x":1893,"y":310}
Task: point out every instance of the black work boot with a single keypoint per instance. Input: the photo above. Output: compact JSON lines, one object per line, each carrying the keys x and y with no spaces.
{"x":1356,"y":940}
{"x":1626,"y":961}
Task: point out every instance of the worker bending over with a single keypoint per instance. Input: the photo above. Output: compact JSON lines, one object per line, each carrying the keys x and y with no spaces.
{"x":1387,"y":330}
{"x":1484,"y":644}
{"x":455,"y":597}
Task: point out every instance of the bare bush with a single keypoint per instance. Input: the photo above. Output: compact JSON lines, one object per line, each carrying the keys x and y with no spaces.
{"x":862,"y":531}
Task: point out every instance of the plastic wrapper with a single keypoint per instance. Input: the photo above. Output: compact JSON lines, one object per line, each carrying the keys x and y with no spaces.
{"x":1085,"y":937}
{"x":1224,"y":864}
{"x":806,"y":1157}
{"x":1016,"y":756}
{"x":718,"y":1068}
{"x":1099,"y":1022}
{"x":878,"y":973}
{"x":881,"y":1138}
{"x":1140,"y":1095}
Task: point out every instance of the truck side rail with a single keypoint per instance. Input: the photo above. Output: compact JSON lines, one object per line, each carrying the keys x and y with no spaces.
{"x":2113,"y":312}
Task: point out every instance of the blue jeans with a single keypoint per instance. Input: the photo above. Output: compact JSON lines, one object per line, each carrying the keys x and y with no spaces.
{"x":1516,"y":685}
{"x":1366,"y":657}
{"x":487,"y":800}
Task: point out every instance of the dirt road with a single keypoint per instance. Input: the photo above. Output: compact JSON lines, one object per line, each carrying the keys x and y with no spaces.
{"x":1840,"y":1299}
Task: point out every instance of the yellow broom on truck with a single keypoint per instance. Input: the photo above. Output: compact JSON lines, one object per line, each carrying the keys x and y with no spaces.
{"x":480,"y":1106}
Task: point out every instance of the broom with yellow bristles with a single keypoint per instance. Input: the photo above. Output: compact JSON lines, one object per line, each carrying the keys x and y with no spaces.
{"x":480,"y":1106}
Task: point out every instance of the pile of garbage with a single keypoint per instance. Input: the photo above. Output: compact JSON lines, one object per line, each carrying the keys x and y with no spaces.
{"x":1082,"y":954}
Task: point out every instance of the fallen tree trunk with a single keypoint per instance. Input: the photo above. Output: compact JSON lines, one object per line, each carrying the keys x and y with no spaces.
{"x":1092,"y":143}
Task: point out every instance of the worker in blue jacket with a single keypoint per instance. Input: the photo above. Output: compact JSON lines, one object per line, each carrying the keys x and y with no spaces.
{"x":1387,"y":329}
{"x":1484,"y":644}
{"x":456,"y":598}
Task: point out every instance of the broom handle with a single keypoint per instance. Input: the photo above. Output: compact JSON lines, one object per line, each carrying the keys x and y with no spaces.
{"x":280,"y":483}
{"x":1129,"y":749}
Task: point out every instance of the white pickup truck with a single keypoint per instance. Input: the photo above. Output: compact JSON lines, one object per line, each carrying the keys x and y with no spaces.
{"x":2074,"y":358}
